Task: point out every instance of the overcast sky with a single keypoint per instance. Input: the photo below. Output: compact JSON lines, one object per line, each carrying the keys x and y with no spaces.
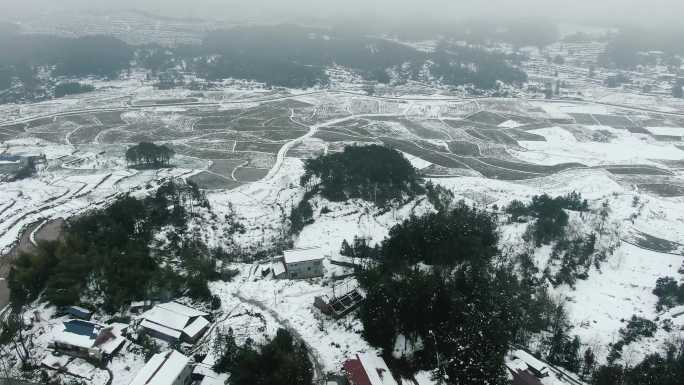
{"x":654,"y":12}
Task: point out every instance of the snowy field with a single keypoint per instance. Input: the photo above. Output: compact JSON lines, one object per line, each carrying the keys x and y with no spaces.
{"x":246,"y":146}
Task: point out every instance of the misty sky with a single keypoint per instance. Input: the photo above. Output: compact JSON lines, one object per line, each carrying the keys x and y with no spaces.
{"x":653,"y":12}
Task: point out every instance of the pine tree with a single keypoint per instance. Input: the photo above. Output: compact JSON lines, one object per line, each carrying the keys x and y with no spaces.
{"x":589,"y":363}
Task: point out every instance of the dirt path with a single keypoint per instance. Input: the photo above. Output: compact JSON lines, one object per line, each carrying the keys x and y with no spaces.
{"x":319,"y":375}
{"x":39,"y":231}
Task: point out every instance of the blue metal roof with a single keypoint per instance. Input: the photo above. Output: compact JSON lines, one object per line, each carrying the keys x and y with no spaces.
{"x":81,"y":328}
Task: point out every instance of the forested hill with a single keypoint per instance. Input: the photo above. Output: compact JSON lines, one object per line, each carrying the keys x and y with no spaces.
{"x":80,"y":57}
{"x":283,"y":55}
{"x":252,"y":52}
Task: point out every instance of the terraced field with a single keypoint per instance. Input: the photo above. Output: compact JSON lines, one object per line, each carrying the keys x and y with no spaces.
{"x":239,"y":142}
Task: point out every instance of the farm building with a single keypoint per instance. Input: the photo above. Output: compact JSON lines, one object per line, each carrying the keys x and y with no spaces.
{"x":90,"y":340}
{"x":168,"y":368}
{"x":368,"y":369}
{"x":173,"y":321}
{"x":303,"y":263}
{"x":537,"y":367}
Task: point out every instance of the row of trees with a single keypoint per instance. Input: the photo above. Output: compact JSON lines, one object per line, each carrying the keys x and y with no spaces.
{"x":72,"y":88}
{"x":149,"y":155}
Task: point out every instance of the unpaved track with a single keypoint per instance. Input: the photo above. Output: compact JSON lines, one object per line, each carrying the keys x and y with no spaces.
{"x":319,"y":374}
{"x":41,"y":231}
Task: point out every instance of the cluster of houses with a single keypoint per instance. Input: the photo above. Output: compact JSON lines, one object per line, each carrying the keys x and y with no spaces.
{"x":177,"y":323}
{"x":174,"y":368}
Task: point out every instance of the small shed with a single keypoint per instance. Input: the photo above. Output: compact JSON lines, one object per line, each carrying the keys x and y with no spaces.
{"x":79,"y":312}
{"x":303,"y":263}
{"x":140,"y":306}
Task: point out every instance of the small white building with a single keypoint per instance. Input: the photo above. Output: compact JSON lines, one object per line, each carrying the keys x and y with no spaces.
{"x":173,"y":321}
{"x":303,"y":263}
{"x":168,"y":368}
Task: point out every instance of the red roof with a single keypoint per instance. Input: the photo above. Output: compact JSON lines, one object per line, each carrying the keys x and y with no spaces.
{"x":355,"y":372}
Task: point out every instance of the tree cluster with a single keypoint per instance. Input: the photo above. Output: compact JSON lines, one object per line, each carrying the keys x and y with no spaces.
{"x":105,"y":257}
{"x":149,"y":155}
{"x":447,"y":238}
{"x":636,"y":328}
{"x":663,"y":368}
{"x":669,"y":293}
{"x":433,"y":284}
{"x":575,"y":257}
{"x":301,"y":215}
{"x":280,"y":361}
{"x":374,"y":173}
{"x":72,"y":88}
{"x":549,"y":213}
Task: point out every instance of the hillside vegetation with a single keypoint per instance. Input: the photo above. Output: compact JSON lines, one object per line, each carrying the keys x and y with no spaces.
{"x":105,"y":259}
{"x":374,"y":173}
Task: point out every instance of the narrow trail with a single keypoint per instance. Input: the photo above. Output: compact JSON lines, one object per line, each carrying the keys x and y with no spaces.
{"x":314,"y":356}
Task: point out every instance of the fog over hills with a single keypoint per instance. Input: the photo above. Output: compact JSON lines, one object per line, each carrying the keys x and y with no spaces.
{"x":613,"y":11}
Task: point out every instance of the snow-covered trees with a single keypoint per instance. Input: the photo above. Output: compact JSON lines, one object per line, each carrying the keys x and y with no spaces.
{"x":148,"y":155}
{"x":281,"y":361}
{"x":374,"y":173}
{"x":435,"y":286}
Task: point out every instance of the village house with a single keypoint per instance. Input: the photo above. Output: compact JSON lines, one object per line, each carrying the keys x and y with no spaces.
{"x":534,"y":365}
{"x":368,"y":369}
{"x":167,"y":368}
{"x":173,"y":322}
{"x":300,"y":264}
{"x":520,"y":374}
{"x":88,"y":340}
